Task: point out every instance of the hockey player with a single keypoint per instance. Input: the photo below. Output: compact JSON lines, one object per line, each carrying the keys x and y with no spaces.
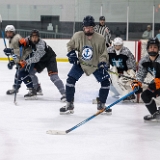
{"x":43,"y":57}
{"x":150,"y":63}
{"x":14,"y":51}
{"x":92,"y":59}
{"x":102,"y":29}
{"x":123,"y":62}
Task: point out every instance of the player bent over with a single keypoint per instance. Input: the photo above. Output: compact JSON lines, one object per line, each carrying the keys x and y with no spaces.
{"x":92,"y":54}
{"x":150,"y":63}
{"x":123,"y":62}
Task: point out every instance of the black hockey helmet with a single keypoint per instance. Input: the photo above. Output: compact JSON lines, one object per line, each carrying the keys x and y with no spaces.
{"x":102,"y":18}
{"x":88,"y":21}
{"x":34,"y":32}
{"x":153,"y":41}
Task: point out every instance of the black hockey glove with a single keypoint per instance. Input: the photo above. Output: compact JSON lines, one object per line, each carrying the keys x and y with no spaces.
{"x":8,"y":51}
{"x":137,"y":85}
{"x":72,"y":57}
{"x":11,"y":64}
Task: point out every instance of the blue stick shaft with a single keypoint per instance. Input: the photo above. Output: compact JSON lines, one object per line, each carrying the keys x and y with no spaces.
{"x":93,"y":116}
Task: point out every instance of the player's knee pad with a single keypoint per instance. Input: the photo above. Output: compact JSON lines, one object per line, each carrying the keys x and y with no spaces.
{"x":76,"y":71}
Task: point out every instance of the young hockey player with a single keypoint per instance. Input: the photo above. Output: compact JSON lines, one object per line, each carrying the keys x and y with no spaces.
{"x":43,"y":57}
{"x":92,"y":59}
{"x":102,"y":29}
{"x":150,"y":63}
{"x":123,"y":62}
{"x":21,"y":74}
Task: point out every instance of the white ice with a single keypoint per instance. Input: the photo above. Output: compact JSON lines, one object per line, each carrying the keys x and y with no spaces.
{"x":122,"y":136}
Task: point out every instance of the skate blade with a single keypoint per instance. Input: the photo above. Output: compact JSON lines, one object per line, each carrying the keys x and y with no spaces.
{"x":39,"y":94}
{"x":55,"y":132}
{"x":31,"y":98}
{"x":152,"y":121}
{"x":67,"y":112}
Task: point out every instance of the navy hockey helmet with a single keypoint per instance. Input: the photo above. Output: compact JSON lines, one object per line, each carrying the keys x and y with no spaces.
{"x":153,"y":41}
{"x":88,"y":21}
{"x":34,"y":32}
{"x":102,"y":18}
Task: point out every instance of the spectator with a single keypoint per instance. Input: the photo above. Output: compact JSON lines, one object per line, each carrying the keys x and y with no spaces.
{"x":158,"y":35}
{"x":148,"y":33}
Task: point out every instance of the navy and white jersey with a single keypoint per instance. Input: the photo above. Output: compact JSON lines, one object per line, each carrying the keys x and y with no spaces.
{"x":38,"y":52}
{"x":104,"y":31}
{"x":146,"y":65}
{"x":124,"y":61}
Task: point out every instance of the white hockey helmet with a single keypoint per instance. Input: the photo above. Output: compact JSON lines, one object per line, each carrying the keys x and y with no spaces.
{"x":118,"y":41}
{"x":10,"y":28}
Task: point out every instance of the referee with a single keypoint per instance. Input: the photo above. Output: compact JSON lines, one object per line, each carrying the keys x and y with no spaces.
{"x":102,"y":29}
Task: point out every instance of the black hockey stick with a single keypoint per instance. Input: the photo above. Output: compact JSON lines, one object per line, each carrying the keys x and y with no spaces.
{"x":17,"y":74}
{"x":3,"y":36}
{"x":55,"y":132}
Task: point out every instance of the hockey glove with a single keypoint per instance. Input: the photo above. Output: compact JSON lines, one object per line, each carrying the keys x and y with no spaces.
{"x":22,"y":42}
{"x":155,"y":84}
{"x":8,"y":51}
{"x":11,"y":64}
{"x":72,"y":57}
{"x":22,"y":63}
{"x":137,"y":85}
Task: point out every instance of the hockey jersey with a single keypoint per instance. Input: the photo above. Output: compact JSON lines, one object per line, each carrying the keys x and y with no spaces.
{"x":146,"y":65}
{"x":124,"y":61}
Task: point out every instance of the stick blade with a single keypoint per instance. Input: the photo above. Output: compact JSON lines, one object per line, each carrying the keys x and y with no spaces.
{"x":55,"y":132}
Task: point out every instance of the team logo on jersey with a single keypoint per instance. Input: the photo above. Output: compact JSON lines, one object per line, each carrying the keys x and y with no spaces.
{"x":87,"y":53}
{"x":152,"y":71}
{"x":118,"y":63}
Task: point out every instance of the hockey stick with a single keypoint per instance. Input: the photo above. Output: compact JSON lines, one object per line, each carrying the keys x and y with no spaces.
{"x":18,"y":70}
{"x":3,"y":36}
{"x":56,"y":132}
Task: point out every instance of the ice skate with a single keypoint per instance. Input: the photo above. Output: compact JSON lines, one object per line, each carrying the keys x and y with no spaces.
{"x":32,"y":94}
{"x":68,"y":109}
{"x":101,"y":106}
{"x":11,"y":91}
{"x":153,"y":118}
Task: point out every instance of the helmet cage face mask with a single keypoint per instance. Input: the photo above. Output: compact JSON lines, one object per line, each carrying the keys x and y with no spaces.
{"x":153,"y":41}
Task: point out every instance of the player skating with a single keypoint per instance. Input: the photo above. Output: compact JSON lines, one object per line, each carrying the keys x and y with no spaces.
{"x":92,"y":54}
{"x":150,"y":64}
{"x":22,"y":73}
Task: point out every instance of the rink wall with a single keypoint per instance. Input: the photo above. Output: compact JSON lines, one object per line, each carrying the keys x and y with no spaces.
{"x":59,"y":46}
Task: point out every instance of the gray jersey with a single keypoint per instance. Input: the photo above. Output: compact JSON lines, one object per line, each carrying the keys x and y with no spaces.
{"x":104,"y":31}
{"x":146,"y":65}
{"x":38,"y":52}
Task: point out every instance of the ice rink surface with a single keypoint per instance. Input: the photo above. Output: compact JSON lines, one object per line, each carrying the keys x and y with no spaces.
{"x":122,"y":136}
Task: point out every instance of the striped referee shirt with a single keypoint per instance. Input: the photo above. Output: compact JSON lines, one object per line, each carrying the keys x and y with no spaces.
{"x":105,"y":31}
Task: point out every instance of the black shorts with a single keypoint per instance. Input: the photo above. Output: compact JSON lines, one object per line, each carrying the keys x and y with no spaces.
{"x":51,"y":65}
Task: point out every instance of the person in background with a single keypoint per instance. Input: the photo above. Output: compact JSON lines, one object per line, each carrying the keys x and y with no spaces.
{"x":102,"y":29}
{"x":148,"y":33}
